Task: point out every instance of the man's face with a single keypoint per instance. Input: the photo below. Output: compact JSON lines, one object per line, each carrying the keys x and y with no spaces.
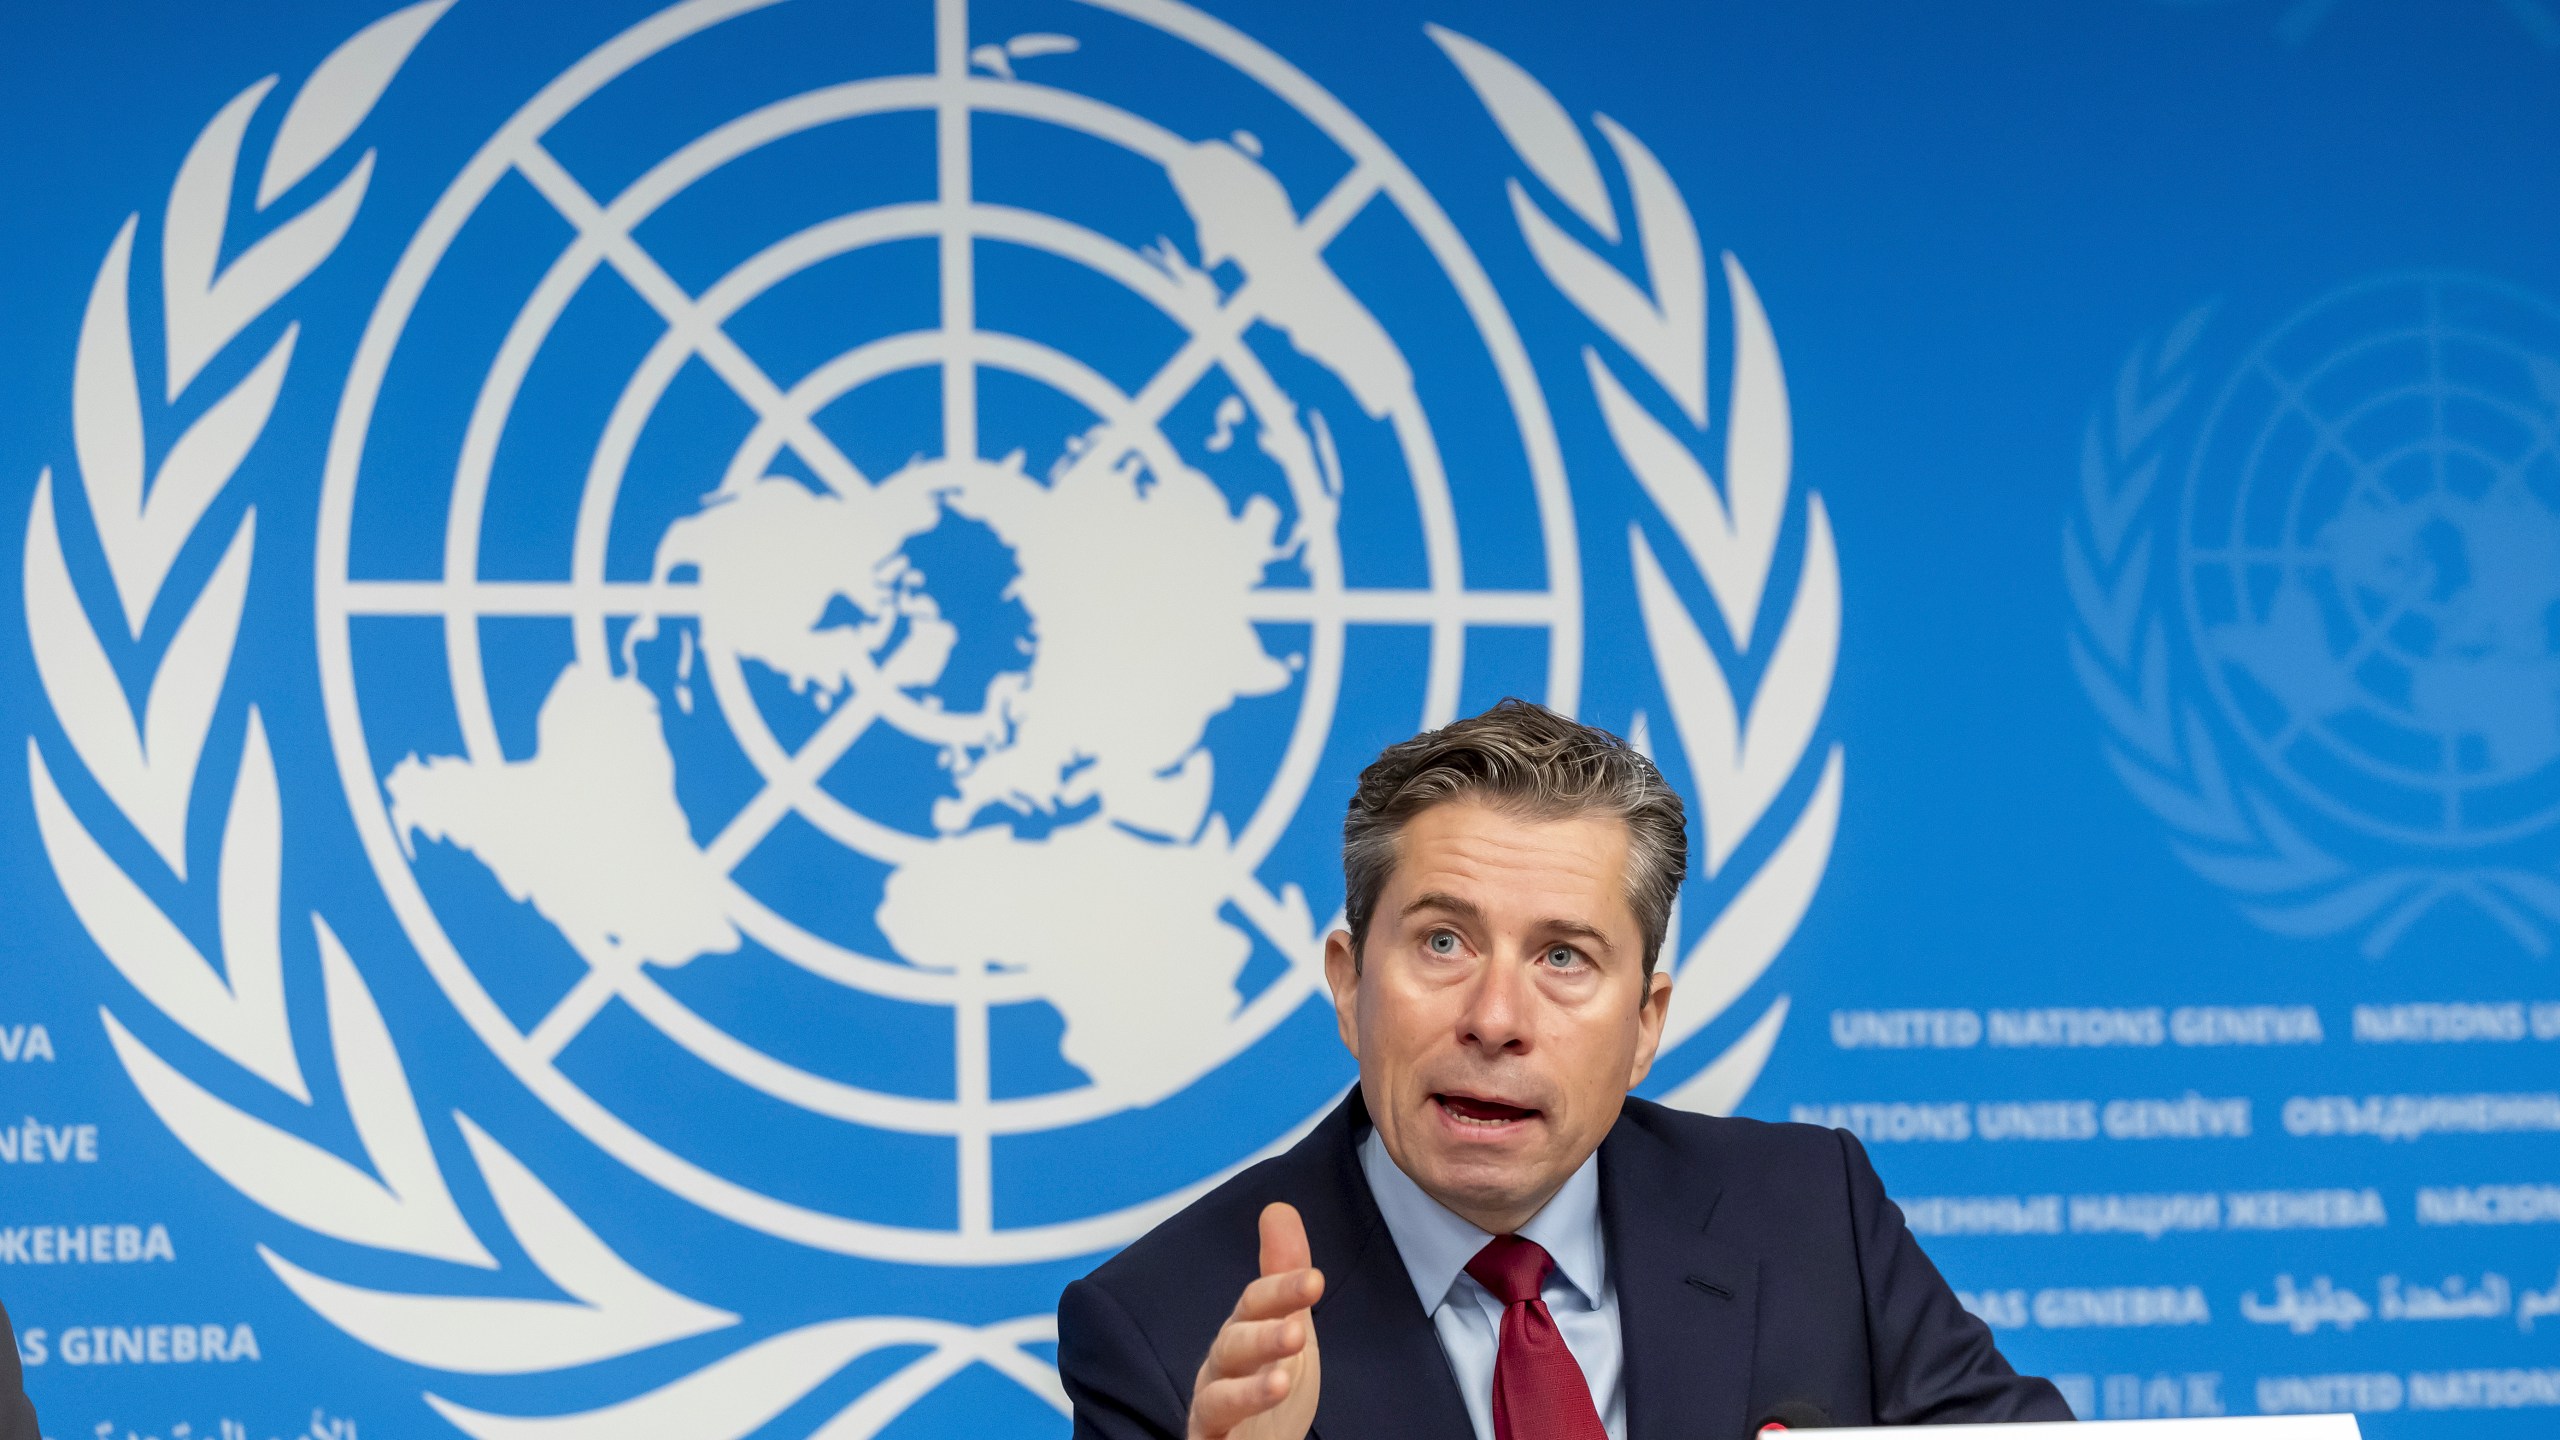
{"x":1499,"y":1009}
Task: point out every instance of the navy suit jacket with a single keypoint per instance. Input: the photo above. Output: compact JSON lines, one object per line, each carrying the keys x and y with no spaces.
{"x":17,"y":1416}
{"x":1755,"y":1264}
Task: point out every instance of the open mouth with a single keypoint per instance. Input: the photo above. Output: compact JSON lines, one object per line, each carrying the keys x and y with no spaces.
{"x":1469,"y":1110}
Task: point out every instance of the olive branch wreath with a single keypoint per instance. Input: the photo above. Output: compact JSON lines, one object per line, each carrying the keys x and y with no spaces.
{"x":232,"y":998}
{"x":1741,"y":755}
{"x":2159,"y":746}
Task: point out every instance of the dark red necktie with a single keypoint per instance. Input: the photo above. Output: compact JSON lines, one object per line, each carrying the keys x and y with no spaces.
{"x":1538,"y":1390}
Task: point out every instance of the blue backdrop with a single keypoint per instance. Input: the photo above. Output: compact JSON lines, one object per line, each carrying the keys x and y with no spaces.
{"x":688,"y":674}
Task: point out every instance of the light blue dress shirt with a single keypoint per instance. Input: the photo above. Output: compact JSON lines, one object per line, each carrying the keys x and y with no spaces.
{"x":1436,"y":1246}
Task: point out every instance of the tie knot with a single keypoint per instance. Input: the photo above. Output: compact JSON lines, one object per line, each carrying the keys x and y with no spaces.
{"x":1512,"y":1268}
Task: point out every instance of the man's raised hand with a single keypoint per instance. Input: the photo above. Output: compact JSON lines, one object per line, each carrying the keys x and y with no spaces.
{"x":1260,"y":1380}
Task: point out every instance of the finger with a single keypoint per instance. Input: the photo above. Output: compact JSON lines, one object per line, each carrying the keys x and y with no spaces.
{"x":1222,"y":1405}
{"x":1243,"y":1347}
{"x":1284,"y":1239}
{"x":1273,"y":1296}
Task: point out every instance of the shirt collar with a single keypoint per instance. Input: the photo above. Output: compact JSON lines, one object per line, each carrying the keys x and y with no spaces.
{"x":1436,"y":1244}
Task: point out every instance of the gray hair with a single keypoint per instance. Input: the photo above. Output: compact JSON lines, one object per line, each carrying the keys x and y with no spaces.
{"x":1529,"y":761}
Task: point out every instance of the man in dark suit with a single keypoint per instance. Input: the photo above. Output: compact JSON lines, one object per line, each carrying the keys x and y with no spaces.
{"x":1509,"y":1247}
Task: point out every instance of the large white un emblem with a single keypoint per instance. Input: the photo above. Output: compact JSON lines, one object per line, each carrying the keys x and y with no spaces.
{"x":884,"y":608}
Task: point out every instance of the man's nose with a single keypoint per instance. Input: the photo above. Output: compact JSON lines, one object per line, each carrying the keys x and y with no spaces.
{"x":1497,"y":1014}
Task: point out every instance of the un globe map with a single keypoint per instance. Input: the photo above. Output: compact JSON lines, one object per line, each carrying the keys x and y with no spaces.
{"x":1126,"y":894}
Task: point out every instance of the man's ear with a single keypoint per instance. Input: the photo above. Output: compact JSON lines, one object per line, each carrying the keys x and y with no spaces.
{"x":1649,"y":1017}
{"x":1342,"y":977}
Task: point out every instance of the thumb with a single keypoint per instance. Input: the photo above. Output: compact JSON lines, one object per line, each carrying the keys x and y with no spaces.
{"x":1284,"y":1239}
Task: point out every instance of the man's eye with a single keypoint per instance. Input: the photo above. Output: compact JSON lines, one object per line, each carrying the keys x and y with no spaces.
{"x":1563,"y":957}
{"x":1441,"y":942}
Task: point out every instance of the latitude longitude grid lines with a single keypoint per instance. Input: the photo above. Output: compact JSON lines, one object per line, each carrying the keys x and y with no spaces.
{"x":957,"y":222}
{"x":2293,"y":398}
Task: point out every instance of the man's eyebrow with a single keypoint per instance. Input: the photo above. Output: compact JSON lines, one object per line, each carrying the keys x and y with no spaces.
{"x":1442,"y":900}
{"x":1589,"y":934}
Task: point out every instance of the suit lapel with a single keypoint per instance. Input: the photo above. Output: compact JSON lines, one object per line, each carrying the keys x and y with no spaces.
{"x":1687,"y":1305}
{"x":1385,"y":1376}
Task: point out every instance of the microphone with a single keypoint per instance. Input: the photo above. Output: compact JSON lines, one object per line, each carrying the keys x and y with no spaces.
{"x":1793,"y":1415}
